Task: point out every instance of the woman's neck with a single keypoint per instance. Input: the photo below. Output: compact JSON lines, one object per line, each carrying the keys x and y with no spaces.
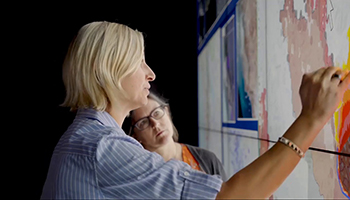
{"x":117,"y":113}
{"x":171,"y":151}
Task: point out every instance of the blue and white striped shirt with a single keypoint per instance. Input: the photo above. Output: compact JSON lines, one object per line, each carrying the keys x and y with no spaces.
{"x":95,"y":159}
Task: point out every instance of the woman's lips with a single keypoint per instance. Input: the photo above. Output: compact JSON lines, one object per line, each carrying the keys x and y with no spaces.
{"x":159,"y":133}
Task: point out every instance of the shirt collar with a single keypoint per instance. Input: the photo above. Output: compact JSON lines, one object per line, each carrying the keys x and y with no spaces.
{"x":102,"y":116}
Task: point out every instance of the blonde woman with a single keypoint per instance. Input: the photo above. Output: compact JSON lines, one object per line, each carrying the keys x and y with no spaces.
{"x":153,"y":127}
{"x":106,"y":76}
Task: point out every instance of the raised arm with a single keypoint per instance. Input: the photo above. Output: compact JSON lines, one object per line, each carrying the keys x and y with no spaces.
{"x":320,"y":95}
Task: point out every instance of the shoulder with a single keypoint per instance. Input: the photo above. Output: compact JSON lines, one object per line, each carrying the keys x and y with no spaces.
{"x":93,"y":137}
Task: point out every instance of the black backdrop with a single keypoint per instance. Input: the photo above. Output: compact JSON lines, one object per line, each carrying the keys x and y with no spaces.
{"x":43,"y":33}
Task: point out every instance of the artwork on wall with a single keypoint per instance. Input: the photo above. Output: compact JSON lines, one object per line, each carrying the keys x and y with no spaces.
{"x":246,"y":20}
{"x":228,"y":72}
{"x":209,"y":107}
{"x":266,"y":46}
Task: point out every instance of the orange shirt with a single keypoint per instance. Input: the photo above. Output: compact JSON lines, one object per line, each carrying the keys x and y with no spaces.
{"x":188,"y":158}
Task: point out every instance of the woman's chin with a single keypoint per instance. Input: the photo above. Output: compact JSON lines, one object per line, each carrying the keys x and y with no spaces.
{"x":164,"y":138}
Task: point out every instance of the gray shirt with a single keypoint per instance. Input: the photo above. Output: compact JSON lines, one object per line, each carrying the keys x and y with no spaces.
{"x":208,"y":161}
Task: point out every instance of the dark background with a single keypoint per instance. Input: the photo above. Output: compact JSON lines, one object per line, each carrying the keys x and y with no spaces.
{"x":42,"y":33}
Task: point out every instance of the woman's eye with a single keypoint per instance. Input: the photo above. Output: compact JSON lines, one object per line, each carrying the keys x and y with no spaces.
{"x":156,"y":113}
{"x":141,"y":123}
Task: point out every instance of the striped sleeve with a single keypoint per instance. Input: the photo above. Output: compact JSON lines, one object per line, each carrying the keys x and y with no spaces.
{"x":126,"y":170}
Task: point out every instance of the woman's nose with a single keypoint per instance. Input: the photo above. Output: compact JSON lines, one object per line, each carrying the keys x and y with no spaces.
{"x":154,"y":122}
{"x":150,"y":75}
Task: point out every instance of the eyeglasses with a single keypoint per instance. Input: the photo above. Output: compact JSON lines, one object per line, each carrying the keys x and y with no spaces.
{"x":144,"y":122}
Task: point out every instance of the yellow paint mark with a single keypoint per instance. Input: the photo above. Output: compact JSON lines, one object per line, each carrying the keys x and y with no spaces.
{"x":339,"y":112}
{"x":347,"y":66}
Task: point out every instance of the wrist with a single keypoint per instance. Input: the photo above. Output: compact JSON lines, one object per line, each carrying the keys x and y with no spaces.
{"x":303,"y":131}
{"x":314,"y":120}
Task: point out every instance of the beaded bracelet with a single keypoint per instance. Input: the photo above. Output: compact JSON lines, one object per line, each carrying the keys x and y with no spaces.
{"x":292,"y":146}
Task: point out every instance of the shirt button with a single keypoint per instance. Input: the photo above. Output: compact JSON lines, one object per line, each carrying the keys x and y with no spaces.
{"x":186,"y":173}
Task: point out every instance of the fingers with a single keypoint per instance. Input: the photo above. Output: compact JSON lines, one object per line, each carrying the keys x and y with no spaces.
{"x":315,"y":75}
{"x":344,"y":74}
{"x":345,"y":80}
{"x":331,"y":73}
{"x":318,"y":73}
{"x":324,"y":90}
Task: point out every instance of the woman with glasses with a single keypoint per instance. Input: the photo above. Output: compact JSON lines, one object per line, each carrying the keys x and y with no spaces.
{"x":153,"y":127}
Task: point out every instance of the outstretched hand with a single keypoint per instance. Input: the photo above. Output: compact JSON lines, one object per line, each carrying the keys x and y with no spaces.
{"x":321,"y":92}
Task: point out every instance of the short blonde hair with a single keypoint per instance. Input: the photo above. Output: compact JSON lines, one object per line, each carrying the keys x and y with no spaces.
{"x":162,"y":102}
{"x":99,"y":57}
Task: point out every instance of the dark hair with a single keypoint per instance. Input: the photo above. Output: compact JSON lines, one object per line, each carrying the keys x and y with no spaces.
{"x":162,"y":101}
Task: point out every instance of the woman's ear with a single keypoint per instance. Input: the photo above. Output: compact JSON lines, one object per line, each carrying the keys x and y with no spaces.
{"x":167,"y":110}
{"x":135,"y":137}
